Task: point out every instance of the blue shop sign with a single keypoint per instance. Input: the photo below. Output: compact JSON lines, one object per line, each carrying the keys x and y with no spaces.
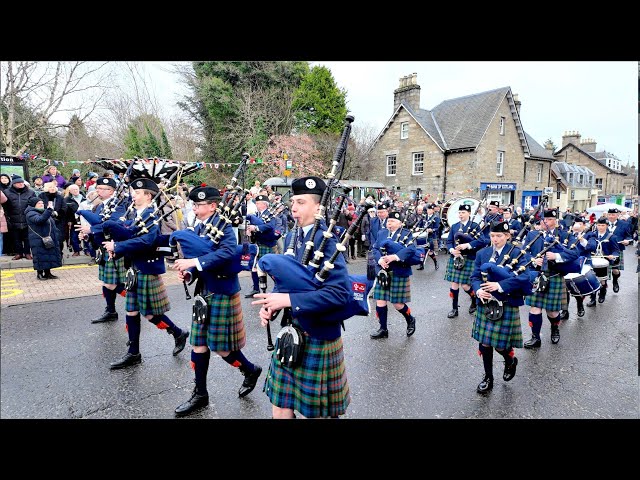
{"x":497,"y":186}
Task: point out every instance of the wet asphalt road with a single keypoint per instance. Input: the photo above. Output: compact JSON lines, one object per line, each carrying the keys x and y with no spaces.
{"x":55,"y":363}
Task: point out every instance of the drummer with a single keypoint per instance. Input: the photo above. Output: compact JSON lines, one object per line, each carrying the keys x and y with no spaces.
{"x":578,"y":232}
{"x":600,"y":244}
{"x":622,"y":234}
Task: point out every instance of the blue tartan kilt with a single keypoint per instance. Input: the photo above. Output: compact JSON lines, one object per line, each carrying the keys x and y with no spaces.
{"x":621,"y":266}
{"x":504,"y":333}
{"x":263,"y":250}
{"x":225,"y":331}
{"x":112,"y":272}
{"x":399,"y":291}
{"x":551,"y":300}
{"x":459,"y":276}
{"x":149,"y":297}
{"x":316,"y":388}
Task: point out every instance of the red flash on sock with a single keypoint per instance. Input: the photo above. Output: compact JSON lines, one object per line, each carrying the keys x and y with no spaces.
{"x":450,"y":294}
{"x":472,"y":293}
{"x":479,"y":353}
{"x":126,"y":328}
{"x":512,"y":353}
{"x":162,"y":326}
{"x":530,"y":323}
{"x":236,"y":364}
{"x":192,"y":364}
{"x":408,"y":311}
{"x":123,"y":293}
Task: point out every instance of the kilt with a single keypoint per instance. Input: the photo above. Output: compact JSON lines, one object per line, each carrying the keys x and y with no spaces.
{"x":621,"y":266}
{"x":316,"y":388}
{"x":505,"y":333}
{"x":263,"y":250}
{"x":399,"y":291}
{"x":551,"y":300}
{"x":459,"y":276}
{"x":112,"y":272}
{"x":565,"y":304}
{"x":225,"y":331}
{"x":149,"y":296}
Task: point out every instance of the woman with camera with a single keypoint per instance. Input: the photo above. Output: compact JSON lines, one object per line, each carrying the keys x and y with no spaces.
{"x":43,"y":238}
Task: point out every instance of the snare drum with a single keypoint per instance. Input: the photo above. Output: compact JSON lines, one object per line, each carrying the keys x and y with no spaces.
{"x":449,"y":212}
{"x":600,"y":267}
{"x":583,"y":283}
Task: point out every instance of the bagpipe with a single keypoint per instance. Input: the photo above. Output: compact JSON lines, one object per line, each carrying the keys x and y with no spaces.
{"x":541,"y":282}
{"x":328,"y":233}
{"x":533,"y":217}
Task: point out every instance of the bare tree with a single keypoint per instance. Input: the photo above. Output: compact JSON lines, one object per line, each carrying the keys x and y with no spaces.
{"x":363,"y":137}
{"x":46,"y":90}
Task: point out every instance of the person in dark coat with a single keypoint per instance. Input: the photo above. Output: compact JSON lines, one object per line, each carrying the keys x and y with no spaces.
{"x":50,"y":196}
{"x":18,"y":196}
{"x":41,"y":224}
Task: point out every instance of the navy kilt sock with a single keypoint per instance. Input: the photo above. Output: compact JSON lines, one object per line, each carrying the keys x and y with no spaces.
{"x":256,"y":283}
{"x":535,"y":322}
{"x":110,"y":298}
{"x":200,"y":365}
{"x":382,"y":316}
{"x":507,"y":354}
{"x":487,"y":358}
{"x":164,"y":323}
{"x":453,"y":293}
{"x":238,"y":360}
{"x":133,"y":330}
{"x":406,"y":312}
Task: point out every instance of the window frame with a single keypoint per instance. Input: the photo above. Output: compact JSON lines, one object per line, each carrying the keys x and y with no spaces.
{"x":500,"y":162}
{"x":395,"y":164}
{"x":503,"y":121}
{"x":539,"y":170}
{"x":404,"y":131}
{"x":413,"y":163}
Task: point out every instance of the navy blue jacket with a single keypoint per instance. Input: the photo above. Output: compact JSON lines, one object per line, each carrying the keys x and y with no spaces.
{"x":375,"y":226}
{"x":621,"y":232}
{"x":42,"y":225}
{"x":266,"y":236}
{"x":609,"y":245}
{"x":142,"y":249}
{"x":566,"y":254}
{"x":475,"y":244}
{"x":512,"y":284}
{"x":514,"y":225}
{"x":399,"y":269}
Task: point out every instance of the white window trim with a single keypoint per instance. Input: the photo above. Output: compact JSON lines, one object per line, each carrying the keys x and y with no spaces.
{"x":402,"y":131}
{"x":503,"y":121}
{"x":501,"y":174}
{"x":413,"y":163}
{"x":387,"y":165}
{"x":539,"y":170}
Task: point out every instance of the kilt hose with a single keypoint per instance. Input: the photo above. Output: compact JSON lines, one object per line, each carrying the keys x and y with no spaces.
{"x":316,"y":388}
{"x":552,"y":299}
{"x":112,"y":272}
{"x":459,"y":276}
{"x":225,"y":331}
{"x":504,"y":333}
{"x":149,"y":297}
{"x":399,"y":290}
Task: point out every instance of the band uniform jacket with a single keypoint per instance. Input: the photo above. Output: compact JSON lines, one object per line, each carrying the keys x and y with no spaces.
{"x":566,"y":255}
{"x":374,"y":228}
{"x":399,"y":269}
{"x":265,"y":235}
{"x":141,"y":250}
{"x":216,"y":264}
{"x":609,"y":245}
{"x":509,"y":285}
{"x":475,"y":244}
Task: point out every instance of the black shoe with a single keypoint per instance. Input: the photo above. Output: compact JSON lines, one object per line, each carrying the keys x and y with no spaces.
{"x":249,"y":382}
{"x":126,"y":361}
{"x":510,"y":370}
{"x":41,"y":276}
{"x":472,"y":308}
{"x":107,"y":316}
{"x":616,"y":286}
{"x":533,"y":342}
{"x":555,"y":334}
{"x":601,"y":296}
{"x":181,"y":341}
{"x":251,"y":293}
{"x":486,"y":384}
{"x":421,"y":267}
{"x":452,"y":313}
{"x":592,"y":302}
{"x":435,"y":265}
{"x":564,"y":314}
{"x":581,"y":310}
{"x":50,"y":276}
{"x":196,"y":402}
{"x":380,"y":333}
{"x":411,"y":326}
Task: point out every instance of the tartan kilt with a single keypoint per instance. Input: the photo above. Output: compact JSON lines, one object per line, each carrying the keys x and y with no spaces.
{"x":621,"y":266}
{"x":551,"y":300}
{"x":316,"y":388}
{"x":565,"y":304}
{"x":149,"y":297}
{"x":113,"y":271}
{"x":263,"y":250}
{"x":399,"y":291}
{"x":505,"y":333}
{"x":459,"y":276}
{"x":225,"y":331}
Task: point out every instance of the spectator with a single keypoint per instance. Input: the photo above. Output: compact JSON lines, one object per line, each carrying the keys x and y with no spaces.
{"x":37,"y":184}
{"x":51,"y":197}
{"x":18,"y":196}
{"x":51,"y":174}
{"x":5,"y":181}
{"x":40,"y":225}
{"x":255,"y":190}
{"x":92,"y":177}
{"x":3,"y":220}
{"x":75,"y":173}
{"x":91,"y":203}
{"x":74,"y":199}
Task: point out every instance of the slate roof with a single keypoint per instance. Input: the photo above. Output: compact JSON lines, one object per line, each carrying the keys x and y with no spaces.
{"x":537,"y":150}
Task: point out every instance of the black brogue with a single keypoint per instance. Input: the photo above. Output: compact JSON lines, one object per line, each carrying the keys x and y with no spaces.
{"x":616,"y":285}
{"x":411,"y":326}
{"x":251,"y":293}
{"x":181,"y":341}
{"x":592,"y":302}
{"x":555,"y":334}
{"x":249,"y":382}
{"x":452,"y":313}
{"x":510,"y":370}
{"x":196,"y":402}
{"x":533,"y":342}
{"x":128,"y":360}
{"x":486,"y":384}
{"x":107,"y":316}
{"x":380,"y":333}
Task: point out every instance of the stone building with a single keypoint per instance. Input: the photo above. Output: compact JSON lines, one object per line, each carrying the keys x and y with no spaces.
{"x":576,"y":185}
{"x":463,"y":147}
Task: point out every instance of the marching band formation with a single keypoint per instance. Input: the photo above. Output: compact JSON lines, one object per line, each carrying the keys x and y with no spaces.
{"x":499,"y":261}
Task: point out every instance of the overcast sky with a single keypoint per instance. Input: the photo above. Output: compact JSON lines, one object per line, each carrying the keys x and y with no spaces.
{"x":598,"y":99}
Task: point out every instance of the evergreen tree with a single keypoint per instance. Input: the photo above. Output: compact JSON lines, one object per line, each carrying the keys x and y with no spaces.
{"x":132,"y":144}
{"x":166,"y":148}
{"x":150,"y":144}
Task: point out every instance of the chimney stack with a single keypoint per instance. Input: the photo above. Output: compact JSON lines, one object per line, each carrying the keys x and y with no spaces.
{"x":409,"y":91}
{"x":588,"y":145}
{"x":571,"y":136}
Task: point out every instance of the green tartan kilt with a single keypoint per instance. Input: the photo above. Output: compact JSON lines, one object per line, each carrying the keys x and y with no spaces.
{"x":225,"y":331}
{"x":112,"y":272}
{"x":398,"y":292}
{"x":459,"y":276}
{"x":263,"y":250}
{"x":504,"y":333}
{"x":552,"y":299}
{"x":621,"y":266}
{"x":316,"y":388}
{"x":149,"y":297}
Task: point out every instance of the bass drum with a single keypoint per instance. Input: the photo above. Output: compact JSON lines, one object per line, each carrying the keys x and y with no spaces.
{"x":449,"y":212}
